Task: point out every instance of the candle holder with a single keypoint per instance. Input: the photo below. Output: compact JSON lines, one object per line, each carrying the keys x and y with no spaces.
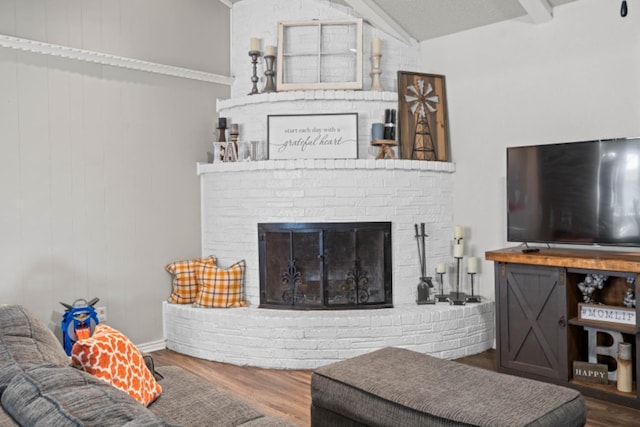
{"x":270,"y":85}
{"x":254,"y":54}
{"x":375,"y":72}
{"x":441,"y":297}
{"x":472,"y":297}
{"x":457,"y":297}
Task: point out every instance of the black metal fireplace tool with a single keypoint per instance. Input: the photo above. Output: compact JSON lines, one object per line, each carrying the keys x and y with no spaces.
{"x":425,"y":281}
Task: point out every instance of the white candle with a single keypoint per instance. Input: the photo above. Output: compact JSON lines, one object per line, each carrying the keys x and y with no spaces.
{"x":255,"y":43}
{"x":472,"y":264}
{"x":458,"y":250}
{"x":440,"y":268}
{"x":458,"y":232}
{"x":270,"y":51}
{"x":376,"y":46}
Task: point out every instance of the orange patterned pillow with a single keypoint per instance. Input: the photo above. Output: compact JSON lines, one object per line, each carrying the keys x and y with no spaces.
{"x":221,"y":288}
{"x":186,"y":280}
{"x":110,"y":356}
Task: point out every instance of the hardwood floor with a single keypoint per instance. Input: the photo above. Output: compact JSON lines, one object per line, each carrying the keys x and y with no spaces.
{"x":286,"y":393}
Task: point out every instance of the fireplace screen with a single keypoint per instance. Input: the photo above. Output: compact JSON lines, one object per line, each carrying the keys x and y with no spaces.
{"x":325,"y":265}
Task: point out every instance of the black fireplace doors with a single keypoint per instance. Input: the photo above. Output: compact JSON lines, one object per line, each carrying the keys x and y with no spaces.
{"x":325,"y":265}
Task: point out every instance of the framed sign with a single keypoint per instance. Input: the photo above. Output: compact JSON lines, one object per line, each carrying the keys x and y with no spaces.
{"x":607,"y":314}
{"x":423,"y":128}
{"x":313,"y":136}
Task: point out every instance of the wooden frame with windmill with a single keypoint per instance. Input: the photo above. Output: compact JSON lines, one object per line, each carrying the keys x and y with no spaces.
{"x":422,"y":117}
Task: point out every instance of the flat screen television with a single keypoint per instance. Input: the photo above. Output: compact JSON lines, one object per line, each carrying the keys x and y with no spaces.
{"x":575,"y":193}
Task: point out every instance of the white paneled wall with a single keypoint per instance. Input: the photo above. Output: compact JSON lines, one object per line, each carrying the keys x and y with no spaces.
{"x":97,"y":184}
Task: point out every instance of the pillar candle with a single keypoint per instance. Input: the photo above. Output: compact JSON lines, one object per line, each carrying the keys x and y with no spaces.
{"x":234,"y":128}
{"x":270,"y":51}
{"x":458,"y":232}
{"x":440,"y":268}
{"x":255,"y":43}
{"x":472,"y":265}
{"x":376,"y":46}
{"x":458,"y":250}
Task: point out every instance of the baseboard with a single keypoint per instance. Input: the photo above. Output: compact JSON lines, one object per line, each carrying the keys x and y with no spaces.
{"x":152,"y":346}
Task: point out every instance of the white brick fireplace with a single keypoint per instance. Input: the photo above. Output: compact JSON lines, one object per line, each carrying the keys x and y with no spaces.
{"x":238,"y":196}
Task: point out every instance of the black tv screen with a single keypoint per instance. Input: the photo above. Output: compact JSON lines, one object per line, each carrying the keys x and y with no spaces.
{"x":577,"y":193}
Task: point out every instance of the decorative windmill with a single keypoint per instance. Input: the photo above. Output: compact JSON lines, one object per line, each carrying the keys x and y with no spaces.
{"x":421,"y":101}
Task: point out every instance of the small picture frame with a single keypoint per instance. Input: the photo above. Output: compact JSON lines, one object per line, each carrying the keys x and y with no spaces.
{"x":312,"y":136}
{"x":423,"y":127}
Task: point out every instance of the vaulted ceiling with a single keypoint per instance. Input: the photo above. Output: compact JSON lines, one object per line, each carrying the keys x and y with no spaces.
{"x":421,"y":20}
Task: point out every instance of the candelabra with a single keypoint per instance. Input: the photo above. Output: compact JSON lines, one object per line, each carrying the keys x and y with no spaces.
{"x":254,"y":54}
{"x":270,"y":85}
{"x":441,"y":297}
{"x":375,"y":72}
{"x":472,"y":297}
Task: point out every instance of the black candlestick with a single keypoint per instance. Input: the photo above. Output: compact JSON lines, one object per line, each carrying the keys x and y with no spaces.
{"x":472,"y":297}
{"x":457,"y":298}
{"x":441,"y":297}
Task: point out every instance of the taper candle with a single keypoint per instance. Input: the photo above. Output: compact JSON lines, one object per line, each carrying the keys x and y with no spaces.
{"x":472,"y":264}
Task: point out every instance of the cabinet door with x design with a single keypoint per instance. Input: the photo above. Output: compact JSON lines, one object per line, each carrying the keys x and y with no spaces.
{"x":531,"y":320}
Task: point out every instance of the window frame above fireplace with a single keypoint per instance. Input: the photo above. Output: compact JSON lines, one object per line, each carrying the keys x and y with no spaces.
{"x":321,"y":229}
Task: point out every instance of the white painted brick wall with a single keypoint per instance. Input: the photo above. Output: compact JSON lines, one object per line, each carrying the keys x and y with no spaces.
{"x":309,"y":339}
{"x":238,"y":196}
{"x":259,"y":18}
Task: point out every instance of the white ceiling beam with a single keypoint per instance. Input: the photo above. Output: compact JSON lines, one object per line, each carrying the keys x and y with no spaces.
{"x":540,"y":11}
{"x":373,"y":13}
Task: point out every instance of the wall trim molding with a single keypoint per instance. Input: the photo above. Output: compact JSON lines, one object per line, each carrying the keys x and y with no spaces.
{"x":152,"y":346}
{"x":34,"y":46}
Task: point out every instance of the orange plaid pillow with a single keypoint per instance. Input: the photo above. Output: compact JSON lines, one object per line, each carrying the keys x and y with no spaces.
{"x":186,"y":280}
{"x":110,"y":356}
{"x":221,"y":288}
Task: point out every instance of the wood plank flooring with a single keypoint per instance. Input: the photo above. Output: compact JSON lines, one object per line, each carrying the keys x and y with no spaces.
{"x":286,"y":393}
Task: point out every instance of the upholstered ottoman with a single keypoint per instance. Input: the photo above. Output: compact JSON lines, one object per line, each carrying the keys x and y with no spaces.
{"x":398,"y":387}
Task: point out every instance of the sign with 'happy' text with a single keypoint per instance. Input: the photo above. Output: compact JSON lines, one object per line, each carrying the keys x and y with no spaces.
{"x":313,"y":136}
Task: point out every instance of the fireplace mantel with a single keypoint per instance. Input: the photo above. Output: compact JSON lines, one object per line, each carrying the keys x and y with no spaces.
{"x":330,"y":164}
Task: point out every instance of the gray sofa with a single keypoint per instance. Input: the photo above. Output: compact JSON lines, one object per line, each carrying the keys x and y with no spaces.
{"x":38,"y":387}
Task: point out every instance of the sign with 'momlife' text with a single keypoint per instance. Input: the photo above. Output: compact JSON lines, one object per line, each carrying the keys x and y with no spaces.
{"x":313,"y":136}
{"x":607,"y":314}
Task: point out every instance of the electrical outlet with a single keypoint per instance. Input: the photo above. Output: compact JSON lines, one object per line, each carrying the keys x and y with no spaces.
{"x":102,"y":313}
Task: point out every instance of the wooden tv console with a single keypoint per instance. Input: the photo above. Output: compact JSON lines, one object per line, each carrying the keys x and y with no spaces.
{"x":538,"y":332}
